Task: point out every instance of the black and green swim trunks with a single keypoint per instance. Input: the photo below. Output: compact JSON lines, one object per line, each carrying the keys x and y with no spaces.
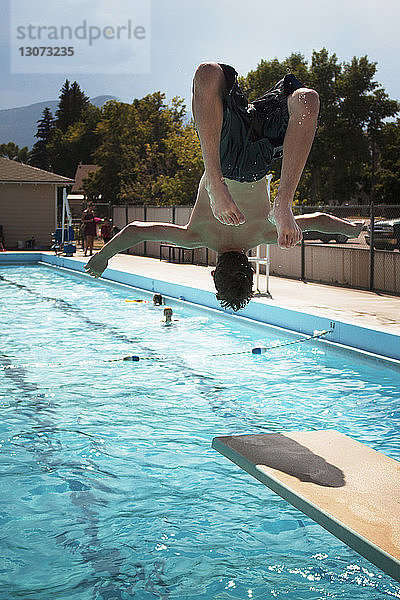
{"x":252,"y":133}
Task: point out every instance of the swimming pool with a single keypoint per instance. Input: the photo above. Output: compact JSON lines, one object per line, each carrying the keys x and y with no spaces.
{"x":110,"y":488}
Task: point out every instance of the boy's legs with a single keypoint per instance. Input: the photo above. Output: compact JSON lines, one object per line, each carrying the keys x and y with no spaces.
{"x":303,"y":107}
{"x":208,"y":90}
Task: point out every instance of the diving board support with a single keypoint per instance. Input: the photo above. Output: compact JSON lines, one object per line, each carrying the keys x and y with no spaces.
{"x":346,"y":487}
{"x":259,"y":260}
{"x":66,"y":212}
{"x":263,"y":260}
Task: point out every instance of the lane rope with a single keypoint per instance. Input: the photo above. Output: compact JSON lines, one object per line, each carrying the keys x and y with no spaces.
{"x":264,"y":349}
{"x":135,"y":358}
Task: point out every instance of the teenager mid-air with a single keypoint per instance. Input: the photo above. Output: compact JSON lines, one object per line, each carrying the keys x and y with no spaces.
{"x":232,"y":214}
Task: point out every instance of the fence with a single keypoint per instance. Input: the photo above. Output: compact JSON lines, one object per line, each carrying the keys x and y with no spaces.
{"x":124,"y":214}
{"x":351,"y":264}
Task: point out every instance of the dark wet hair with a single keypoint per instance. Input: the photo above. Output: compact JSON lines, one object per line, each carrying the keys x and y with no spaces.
{"x":233,"y":278}
{"x":157,"y":299}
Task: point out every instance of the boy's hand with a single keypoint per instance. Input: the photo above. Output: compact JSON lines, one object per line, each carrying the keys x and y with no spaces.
{"x":96,"y":265}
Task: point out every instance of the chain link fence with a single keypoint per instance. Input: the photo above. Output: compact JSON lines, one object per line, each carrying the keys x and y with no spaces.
{"x":380,"y":235}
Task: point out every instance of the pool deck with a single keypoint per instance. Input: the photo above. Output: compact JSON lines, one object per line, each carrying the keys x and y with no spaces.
{"x":367,"y":309}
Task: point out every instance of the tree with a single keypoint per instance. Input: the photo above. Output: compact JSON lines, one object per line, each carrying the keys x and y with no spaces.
{"x":353,"y":112}
{"x":73,"y":138}
{"x":14,"y":152}
{"x":40,"y":155}
{"x":71,"y":107}
{"x":387,"y":175}
{"x":147,"y":155}
{"x":77,"y":144}
{"x":111,"y":131}
{"x":179,"y":184}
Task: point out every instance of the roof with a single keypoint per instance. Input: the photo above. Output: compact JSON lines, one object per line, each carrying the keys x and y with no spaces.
{"x":82,"y":173}
{"x":12,"y":171}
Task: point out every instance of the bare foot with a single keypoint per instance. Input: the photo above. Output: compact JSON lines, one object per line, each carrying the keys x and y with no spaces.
{"x":289,"y":233}
{"x":223,"y":206}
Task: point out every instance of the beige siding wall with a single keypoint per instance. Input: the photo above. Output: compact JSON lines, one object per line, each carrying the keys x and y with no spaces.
{"x":118,"y":216}
{"x":162,"y":214}
{"x":26,"y":210}
{"x":387,"y":271}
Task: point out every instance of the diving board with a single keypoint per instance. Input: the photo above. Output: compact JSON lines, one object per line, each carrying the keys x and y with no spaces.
{"x":341,"y":484}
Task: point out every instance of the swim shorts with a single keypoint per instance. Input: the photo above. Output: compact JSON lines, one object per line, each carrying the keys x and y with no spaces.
{"x":252,"y":133}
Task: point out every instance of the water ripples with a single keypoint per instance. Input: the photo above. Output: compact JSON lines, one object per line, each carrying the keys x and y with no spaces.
{"x":110,"y":487}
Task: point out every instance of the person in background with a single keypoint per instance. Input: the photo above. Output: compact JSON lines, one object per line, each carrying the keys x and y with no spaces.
{"x":89,"y":228}
{"x":157,"y":300}
{"x":30,"y":244}
{"x":168,"y":320}
{"x":106,"y":231}
{"x":115,"y":230}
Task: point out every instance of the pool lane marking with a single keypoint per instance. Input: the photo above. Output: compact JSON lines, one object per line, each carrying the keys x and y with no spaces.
{"x":264,"y":349}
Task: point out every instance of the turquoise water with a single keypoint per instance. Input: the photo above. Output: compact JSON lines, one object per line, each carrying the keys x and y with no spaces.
{"x":109,"y":486}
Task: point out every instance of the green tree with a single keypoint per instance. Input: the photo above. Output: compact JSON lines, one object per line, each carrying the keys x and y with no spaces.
{"x":147,"y":154}
{"x":353,"y":112}
{"x":14,"y":152}
{"x":72,"y":105}
{"x":185,"y":167}
{"x":112,"y":133}
{"x":387,"y":176}
{"x":40,"y":155}
{"x":77,"y":144}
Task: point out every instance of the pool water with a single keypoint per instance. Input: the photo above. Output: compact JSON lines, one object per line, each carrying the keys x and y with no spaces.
{"x":109,"y":486}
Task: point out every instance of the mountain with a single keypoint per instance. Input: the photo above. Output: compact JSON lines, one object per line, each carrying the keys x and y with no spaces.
{"x":19,"y":125}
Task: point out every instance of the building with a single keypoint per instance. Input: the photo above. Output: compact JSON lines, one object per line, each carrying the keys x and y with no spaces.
{"x":76,"y":197}
{"x":28,"y":203}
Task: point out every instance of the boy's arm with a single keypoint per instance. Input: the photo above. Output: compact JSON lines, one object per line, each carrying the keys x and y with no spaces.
{"x":137,"y":232}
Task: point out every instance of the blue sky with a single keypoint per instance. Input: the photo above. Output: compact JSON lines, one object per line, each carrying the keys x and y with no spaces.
{"x":187,"y":32}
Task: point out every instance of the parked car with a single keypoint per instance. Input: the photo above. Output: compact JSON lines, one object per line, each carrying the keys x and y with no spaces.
{"x":325,"y":237}
{"x":386,"y":234}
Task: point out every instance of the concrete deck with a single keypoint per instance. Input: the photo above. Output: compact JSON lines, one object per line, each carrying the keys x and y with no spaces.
{"x":348,"y":488}
{"x":358,"y":307}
